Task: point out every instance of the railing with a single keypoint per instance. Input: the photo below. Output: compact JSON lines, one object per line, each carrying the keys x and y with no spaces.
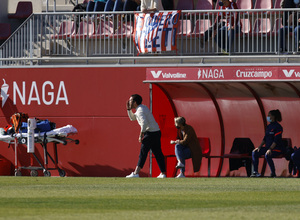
{"x":105,"y":38}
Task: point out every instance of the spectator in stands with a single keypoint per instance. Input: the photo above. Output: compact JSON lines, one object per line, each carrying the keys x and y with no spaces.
{"x":296,"y":160}
{"x":80,"y":7}
{"x":187,"y":146}
{"x":150,"y":6}
{"x":272,"y":141}
{"x":290,"y":24}
{"x":226,"y":28}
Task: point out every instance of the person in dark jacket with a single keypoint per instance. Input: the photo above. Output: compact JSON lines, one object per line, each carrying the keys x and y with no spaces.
{"x":272,"y":143}
{"x":187,"y":146}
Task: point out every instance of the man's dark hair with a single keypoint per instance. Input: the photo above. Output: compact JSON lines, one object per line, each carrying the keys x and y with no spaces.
{"x":137,"y":98}
{"x":276,"y":113}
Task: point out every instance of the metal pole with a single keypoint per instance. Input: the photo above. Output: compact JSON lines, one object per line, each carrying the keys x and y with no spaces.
{"x":54,"y":6}
{"x":150,"y":157}
{"x":30,"y":40}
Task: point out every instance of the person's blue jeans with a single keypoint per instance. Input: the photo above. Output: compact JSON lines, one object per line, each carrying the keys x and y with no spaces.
{"x":282,"y":36}
{"x":182,"y":153}
{"x":296,"y":158}
{"x":256,"y":155}
{"x":225,"y":38}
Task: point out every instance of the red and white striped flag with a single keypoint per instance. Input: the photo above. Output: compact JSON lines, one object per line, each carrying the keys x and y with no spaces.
{"x":156,"y":31}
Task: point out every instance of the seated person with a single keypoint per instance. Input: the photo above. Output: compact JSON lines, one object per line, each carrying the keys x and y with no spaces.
{"x":290,"y":23}
{"x":187,"y":146}
{"x":226,"y":29}
{"x":272,"y":141}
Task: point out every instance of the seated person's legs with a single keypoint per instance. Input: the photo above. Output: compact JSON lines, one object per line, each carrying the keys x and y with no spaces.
{"x":282,"y":34}
{"x":231,"y":36}
{"x":182,"y":153}
{"x":221,"y":36}
{"x":270,"y":161}
{"x":255,"y":159}
{"x":297,"y":38}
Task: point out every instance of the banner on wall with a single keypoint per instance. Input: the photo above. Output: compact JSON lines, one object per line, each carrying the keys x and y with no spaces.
{"x":228,"y":73}
{"x":156,"y":31}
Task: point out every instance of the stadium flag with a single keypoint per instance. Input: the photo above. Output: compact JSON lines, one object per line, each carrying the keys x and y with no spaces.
{"x":156,"y":31}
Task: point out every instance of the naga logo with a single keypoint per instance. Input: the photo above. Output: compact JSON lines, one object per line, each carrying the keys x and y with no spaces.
{"x":41,"y":94}
{"x":156,"y":74}
{"x":288,"y":73}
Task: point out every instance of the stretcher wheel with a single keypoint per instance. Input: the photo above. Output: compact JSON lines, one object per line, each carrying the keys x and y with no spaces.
{"x":65,"y":142}
{"x":33,"y":173}
{"x":18,"y":173}
{"x":47,"y":173}
{"x":76,"y":141}
{"x":23,"y":140}
{"x":62,"y":173}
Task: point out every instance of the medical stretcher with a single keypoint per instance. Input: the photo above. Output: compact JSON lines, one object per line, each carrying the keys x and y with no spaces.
{"x":55,"y":136}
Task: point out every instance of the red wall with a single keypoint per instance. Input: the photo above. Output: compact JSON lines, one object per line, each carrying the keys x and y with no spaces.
{"x":93,"y":100}
{"x":96,"y":107}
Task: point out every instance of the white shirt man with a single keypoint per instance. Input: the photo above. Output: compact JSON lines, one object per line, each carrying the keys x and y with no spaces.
{"x":149,"y":135}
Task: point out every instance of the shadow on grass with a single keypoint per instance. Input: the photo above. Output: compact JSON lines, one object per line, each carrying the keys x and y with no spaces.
{"x":99,"y":171}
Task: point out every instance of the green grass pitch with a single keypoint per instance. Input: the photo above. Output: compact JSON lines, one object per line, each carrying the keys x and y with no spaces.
{"x":149,"y":198}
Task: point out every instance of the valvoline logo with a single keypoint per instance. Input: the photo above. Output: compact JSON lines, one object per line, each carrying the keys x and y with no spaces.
{"x":168,"y":75}
{"x":289,"y":73}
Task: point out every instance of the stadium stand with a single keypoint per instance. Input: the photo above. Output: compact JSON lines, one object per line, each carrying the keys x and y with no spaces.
{"x":5,"y":31}
{"x":23,"y":11}
{"x":277,"y":4}
{"x":185,"y":5}
{"x":66,"y":29}
{"x":85,"y":29}
{"x":244,"y":4}
{"x":185,"y":28}
{"x":204,"y":5}
{"x":105,"y":29}
{"x":263,"y":4}
{"x":262,"y":26}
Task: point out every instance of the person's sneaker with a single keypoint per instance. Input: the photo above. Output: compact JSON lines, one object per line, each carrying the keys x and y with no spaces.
{"x":179,"y":165}
{"x":224,"y":52}
{"x":132,"y":175}
{"x":273,"y":175}
{"x":180,"y":175}
{"x":255,"y":174}
{"x":161,"y":175}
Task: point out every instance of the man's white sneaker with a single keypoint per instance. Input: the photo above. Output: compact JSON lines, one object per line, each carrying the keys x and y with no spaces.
{"x":161,"y":175}
{"x":180,"y":175}
{"x":132,"y":175}
{"x":179,"y":165}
